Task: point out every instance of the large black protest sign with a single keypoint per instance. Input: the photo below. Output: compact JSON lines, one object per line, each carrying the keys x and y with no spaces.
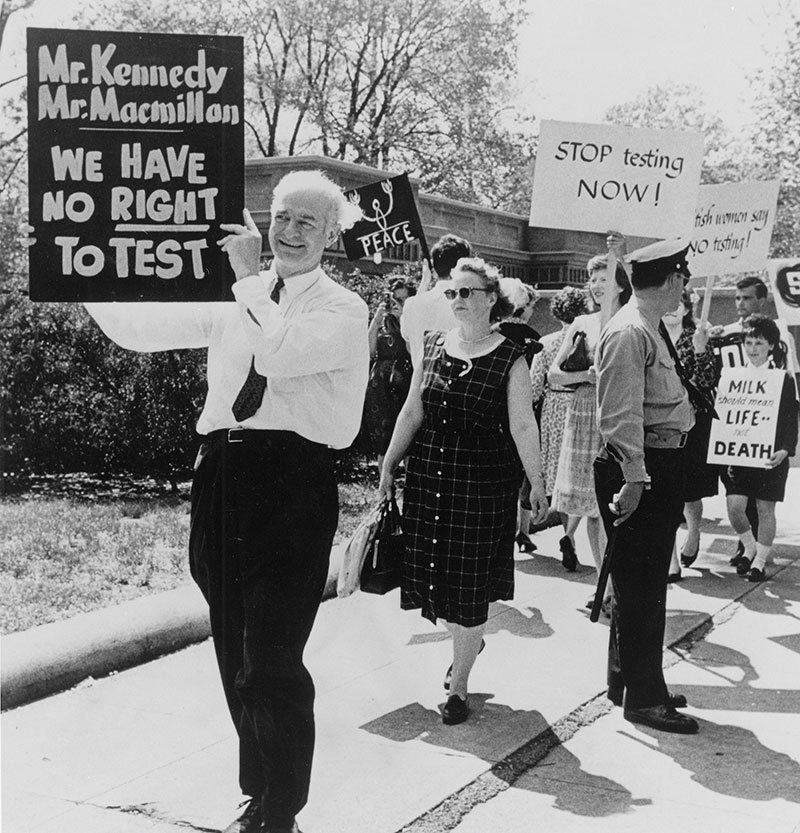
{"x":390,"y":218}
{"x":136,"y":151}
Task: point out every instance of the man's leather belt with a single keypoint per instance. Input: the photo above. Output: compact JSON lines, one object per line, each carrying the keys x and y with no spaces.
{"x":654,"y":439}
{"x":241,"y":435}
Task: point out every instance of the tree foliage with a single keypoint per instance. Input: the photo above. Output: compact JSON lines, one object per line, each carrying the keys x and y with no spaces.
{"x":414,"y":84}
{"x":775,"y":137}
{"x":683,"y":107}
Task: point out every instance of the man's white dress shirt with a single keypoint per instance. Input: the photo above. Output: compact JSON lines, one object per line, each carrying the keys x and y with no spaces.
{"x":311,"y":345}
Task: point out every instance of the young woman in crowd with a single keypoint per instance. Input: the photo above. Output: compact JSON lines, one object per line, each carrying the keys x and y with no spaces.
{"x":765,"y":351}
{"x":574,"y":494}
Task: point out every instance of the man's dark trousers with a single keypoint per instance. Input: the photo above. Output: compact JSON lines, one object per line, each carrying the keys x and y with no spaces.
{"x":642,"y":549}
{"x":264,"y":513}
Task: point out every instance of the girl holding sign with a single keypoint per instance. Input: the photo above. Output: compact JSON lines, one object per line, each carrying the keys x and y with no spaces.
{"x":764,"y":351}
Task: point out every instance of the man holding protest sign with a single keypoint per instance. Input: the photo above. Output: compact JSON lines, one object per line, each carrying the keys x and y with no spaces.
{"x":287,"y":370}
{"x":644,"y":416}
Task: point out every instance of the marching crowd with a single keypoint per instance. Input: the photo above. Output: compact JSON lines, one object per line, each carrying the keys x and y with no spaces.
{"x":600,"y":420}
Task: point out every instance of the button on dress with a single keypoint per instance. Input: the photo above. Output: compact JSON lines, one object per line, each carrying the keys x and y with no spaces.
{"x":462,"y":482}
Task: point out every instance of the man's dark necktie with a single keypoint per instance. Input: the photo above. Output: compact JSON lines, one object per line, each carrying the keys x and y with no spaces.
{"x":249,"y":398}
{"x":701,"y":401}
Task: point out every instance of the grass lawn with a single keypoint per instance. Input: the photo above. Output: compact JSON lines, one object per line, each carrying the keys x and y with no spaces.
{"x":72,"y":545}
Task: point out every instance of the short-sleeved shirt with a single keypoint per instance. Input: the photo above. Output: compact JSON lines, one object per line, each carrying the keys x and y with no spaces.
{"x":423,"y":313}
{"x":638,"y":388}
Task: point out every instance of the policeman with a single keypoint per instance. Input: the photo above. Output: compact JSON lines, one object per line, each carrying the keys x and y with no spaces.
{"x":644,"y":415}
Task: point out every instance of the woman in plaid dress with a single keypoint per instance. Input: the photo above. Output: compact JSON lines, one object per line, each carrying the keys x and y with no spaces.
{"x":469,"y":429}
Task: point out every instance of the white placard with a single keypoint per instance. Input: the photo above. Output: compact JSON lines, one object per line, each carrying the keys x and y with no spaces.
{"x":784,"y":277}
{"x":593,"y":177}
{"x":732,"y":228}
{"x":747,"y":405}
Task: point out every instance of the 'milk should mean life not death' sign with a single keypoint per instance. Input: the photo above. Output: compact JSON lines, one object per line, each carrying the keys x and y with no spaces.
{"x":747,"y":404}
{"x":136,"y":156}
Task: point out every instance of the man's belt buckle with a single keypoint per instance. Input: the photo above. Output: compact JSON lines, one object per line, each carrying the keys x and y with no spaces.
{"x":234,"y":435}
{"x":655,"y":440}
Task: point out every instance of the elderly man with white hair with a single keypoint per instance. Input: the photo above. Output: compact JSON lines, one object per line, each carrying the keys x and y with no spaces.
{"x":287,"y":369}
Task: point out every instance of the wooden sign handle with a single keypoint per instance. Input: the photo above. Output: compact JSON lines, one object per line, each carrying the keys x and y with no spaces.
{"x":608,"y":298}
{"x":707,"y":300}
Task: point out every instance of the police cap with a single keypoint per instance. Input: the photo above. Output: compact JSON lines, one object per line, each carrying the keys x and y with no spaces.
{"x":652,"y":264}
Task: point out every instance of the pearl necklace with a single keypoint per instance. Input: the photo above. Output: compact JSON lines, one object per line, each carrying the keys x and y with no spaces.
{"x":475,"y":340}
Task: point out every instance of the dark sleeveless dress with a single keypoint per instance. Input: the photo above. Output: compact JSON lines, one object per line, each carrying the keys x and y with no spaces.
{"x":389,"y":380}
{"x":462,"y":482}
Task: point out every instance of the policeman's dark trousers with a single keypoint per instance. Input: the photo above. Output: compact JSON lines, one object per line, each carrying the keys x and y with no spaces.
{"x":642,"y":547}
{"x":264,"y":512}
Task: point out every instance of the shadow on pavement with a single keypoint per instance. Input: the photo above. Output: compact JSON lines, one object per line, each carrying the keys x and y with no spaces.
{"x":576,"y":791}
{"x":477,"y":736}
{"x":526,"y":622}
{"x":731,"y":760}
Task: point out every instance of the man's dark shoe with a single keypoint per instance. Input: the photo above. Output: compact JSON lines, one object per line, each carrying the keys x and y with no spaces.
{"x":737,"y":556}
{"x":756,"y":575}
{"x":250,"y":821}
{"x":743,"y":567}
{"x":675,"y":701}
{"x":663,"y":718}
{"x":455,"y":711}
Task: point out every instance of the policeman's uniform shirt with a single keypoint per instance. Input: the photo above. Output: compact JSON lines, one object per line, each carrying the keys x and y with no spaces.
{"x":638,"y":389}
{"x":312,"y":347}
{"x":423,"y":312}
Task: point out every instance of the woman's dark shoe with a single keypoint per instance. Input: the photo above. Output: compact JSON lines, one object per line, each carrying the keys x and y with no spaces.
{"x":568,"y":558}
{"x":455,"y":711}
{"x":756,"y":575}
{"x":673,"y":577}
{"x":524,"y":543}
{"x":688,"y":560}
{"x":449,"y":673}
{"x":743,"y":567}
{"x":738,"y":555}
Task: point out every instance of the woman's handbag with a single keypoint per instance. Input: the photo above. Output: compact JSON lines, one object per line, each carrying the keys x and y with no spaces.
{"x":382,"y":565}
{"x":578,"y":357}
{"x":355,"y":551}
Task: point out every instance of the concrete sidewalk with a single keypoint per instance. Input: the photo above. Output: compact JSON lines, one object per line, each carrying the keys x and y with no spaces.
{"x":152,"y":748}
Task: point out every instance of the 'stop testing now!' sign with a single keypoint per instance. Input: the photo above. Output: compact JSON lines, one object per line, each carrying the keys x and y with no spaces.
{"x":601,"y":177}
{"x":136,"y":152}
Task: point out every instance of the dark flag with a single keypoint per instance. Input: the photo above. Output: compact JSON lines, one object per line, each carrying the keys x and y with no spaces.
{"x":390,"y":219}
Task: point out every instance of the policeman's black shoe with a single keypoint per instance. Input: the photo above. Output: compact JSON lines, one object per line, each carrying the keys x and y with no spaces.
{"x":756,"y":575}
{"x":250,"y":821}
{"x":455,"y":711}
{"x":568,"y":558}
{"x":743,"y":567}
{"x":663,"y":718}
{"x":449,"y":674}
{"x":675,"y":701}
{"x":737,"y":556}
{"x":673,"y":577}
